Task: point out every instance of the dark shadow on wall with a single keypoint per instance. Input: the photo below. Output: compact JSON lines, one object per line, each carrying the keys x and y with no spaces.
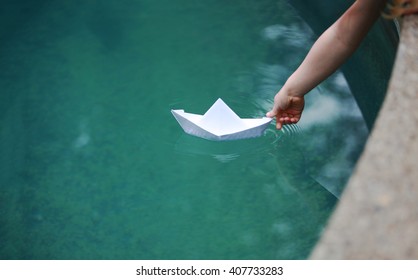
{"x":369,"y":69}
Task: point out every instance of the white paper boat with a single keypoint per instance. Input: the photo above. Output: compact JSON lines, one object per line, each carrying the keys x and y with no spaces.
{"x":220,"y":123}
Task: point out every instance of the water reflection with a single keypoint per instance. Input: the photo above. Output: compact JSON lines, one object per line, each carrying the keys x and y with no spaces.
{"x":331,"y":125}
{"x":83,"y":138}
{"x":296,"y":35}
{"x":224,"y":151}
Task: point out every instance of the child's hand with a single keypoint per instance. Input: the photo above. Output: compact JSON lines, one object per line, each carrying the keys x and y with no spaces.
{"x":287,"y":109}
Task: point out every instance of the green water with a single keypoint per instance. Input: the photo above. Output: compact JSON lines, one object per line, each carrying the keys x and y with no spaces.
{"x":93,"y":165}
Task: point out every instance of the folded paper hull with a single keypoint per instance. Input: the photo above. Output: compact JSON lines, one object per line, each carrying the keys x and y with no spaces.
{"x":190,"y":124}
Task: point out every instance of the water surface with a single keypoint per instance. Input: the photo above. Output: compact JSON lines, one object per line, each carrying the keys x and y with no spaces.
{"x":93,"y":165}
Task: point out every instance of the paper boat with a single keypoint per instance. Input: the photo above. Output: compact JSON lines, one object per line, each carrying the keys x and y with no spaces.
{"x":220,"y":123}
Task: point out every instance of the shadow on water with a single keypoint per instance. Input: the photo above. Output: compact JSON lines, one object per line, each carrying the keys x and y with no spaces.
{"x":296,"y":174}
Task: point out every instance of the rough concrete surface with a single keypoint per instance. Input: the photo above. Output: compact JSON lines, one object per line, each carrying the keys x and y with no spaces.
{"x":377,"y":217}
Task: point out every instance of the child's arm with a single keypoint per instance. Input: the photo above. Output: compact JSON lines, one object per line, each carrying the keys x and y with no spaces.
{"x":328,"y":53}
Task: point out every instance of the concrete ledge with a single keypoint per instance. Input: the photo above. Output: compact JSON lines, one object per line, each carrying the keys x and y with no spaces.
{"x":377,"y":217}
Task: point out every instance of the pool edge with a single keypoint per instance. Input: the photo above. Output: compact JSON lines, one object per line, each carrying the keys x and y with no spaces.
{"x":377,"y":217}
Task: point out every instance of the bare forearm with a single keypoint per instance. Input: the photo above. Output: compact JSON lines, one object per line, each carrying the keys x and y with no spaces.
{"x":334,"y":46}
{"x":324,"y":58}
